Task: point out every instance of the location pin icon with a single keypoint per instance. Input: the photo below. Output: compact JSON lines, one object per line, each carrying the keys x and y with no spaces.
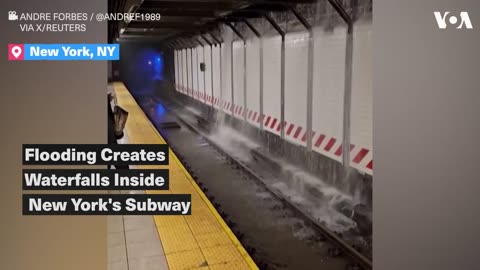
{"x":15,"y":52}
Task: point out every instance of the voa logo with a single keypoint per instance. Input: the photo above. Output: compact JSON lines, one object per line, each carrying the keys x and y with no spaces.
{"x":446,"y":17}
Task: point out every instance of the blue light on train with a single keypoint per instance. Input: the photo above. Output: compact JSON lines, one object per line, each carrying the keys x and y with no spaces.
{"x":158,"y":68}
{"x":159,"y":109}
{"x":151,"y":68}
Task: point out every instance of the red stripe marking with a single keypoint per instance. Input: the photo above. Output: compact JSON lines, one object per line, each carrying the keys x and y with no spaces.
{"x":304,"y":138}
{"x":240,"y":111}
{"x":363,"y":152}
{"x":279,"y":127}
{"x":254,"y":116}
{"x":290,"y":129}
{"x":297,"y":132}
{"x":249,"y":115}
{"x":260,"y":118}
{"x":339,"y":151}
{"x":319,"y":140}
{"x":267,"y":121}
{"x":330,"y":144}
{"x":370,"y":165}
{"x":273,"y":123}
{"x":236,"y":108}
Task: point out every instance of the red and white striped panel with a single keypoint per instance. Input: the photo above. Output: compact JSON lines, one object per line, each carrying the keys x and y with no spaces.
{"x":295,"y":133}
{"x":238,"y":111}
{"x":208,"y":99}
{"x":252,"y":117}
{"x":226,"y":106}
{"x":216,"y":102}
{"x":361,"y":158}
{"x":271,"y":124}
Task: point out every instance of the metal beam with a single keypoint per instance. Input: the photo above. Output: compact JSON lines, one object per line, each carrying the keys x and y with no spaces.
{"x":191,"y":65}
{"x":204,"y":72}
{"x":211,"y":68}
{"x":235,"y":30}
{"x":219,"y":41}
{"x":196,"y":54}
{"x":310,"y":56}
{"x":282,"y":76}
{"x":260,"y":47}
{"x":341,"y":11}
{"x":347,"y":97}
{"x":251,"y":27}
{"x":181,"y":70}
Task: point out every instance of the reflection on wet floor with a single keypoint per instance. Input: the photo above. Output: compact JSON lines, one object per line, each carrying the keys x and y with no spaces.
{"x":278,"y":237}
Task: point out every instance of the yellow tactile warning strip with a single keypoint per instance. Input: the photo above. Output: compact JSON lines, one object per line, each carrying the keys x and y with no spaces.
{"x":199,"y":241}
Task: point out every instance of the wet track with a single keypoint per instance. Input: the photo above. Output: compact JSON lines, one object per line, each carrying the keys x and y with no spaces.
{"x":274,"y":234}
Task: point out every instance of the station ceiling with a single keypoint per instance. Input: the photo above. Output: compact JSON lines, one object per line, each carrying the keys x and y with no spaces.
{"x":183,"y":18}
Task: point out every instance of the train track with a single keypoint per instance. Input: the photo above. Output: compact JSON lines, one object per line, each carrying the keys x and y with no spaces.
{"x":360,"y":261}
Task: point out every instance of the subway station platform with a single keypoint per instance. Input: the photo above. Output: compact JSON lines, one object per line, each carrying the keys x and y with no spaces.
{"x":201,"y":240}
